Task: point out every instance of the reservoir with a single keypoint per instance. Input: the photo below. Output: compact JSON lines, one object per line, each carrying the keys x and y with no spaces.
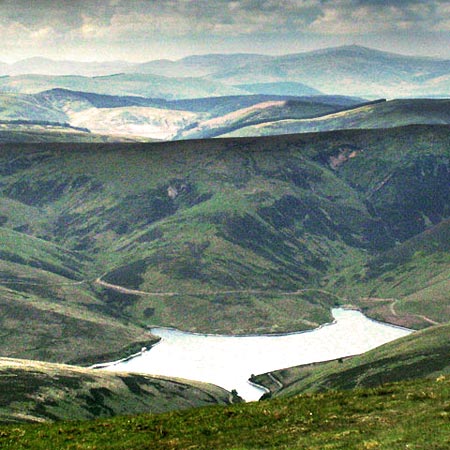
{"x":229,"y":361}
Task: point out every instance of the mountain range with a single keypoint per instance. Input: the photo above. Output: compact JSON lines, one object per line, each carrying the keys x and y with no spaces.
{"x":348,"y":70}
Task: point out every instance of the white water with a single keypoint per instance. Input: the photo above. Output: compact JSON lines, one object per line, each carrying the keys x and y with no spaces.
{"x":229,"y":361}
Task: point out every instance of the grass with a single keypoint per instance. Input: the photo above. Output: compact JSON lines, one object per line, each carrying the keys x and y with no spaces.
{"x":376,"y":418}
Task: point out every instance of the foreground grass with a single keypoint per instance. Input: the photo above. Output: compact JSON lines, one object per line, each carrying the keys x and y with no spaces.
{"x":413,"y":415}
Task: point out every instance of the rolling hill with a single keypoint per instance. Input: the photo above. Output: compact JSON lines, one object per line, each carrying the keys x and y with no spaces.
{"x":236,"y":123}
{"x":140,"y":118}
{"x":35,"y":391}
{"x":280,"y":88}
{"x":378,"y":114}
{"x":225,"y":235}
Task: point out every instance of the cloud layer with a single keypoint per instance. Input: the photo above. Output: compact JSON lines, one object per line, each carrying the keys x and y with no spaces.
{"x":133,"y":28}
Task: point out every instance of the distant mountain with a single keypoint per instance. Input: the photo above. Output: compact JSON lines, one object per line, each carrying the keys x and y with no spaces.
{"x":197,"y":65}
{"x":191,"y":66}
{"x":45,"y":66}
{"x":279,"y":88}
{"x":145,"y":85}
{"x":350,"y":70}
{"x":347,"y":70}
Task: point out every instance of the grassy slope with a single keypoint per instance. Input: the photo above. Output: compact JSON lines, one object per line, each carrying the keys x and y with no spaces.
{"x":16,"y":107}
{"x":377,"y":418}
{"x":36,"y":391}
{"x":235,"y":121}
{"x":407,"y":285}
{"x":45,"y":286}
{"x":378,"y":115}
{"x":274,"y":215}
{"x":422,"y":354}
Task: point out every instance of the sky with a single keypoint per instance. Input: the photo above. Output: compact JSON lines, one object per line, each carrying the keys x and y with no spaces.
{"x":144,"y":30}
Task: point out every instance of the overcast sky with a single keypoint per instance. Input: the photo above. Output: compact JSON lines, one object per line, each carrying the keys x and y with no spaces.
{"x":138,"y":30}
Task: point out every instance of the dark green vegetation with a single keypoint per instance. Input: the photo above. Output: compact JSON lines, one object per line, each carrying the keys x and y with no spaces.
{"x":412,"y":415}
{"x":408,"y":285}
{"x":233,"y":236}
{"x":425,"y":354}
{"x":36,"y":391}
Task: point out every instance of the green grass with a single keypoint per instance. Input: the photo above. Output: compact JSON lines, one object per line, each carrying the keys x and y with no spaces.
{"x":377,"y":418}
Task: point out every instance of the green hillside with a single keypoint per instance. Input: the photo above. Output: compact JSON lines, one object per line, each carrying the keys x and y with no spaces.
{"x":425,"y":354}
{"x":391,"y":417}
{"x":46,"y":287}
{"x":231,"y":236}
{"x":408,"y":284}
{"x":378,"y":114}
{"x":36,"y":391}
{"x":17,"y":107}
{"x":238,"y":122}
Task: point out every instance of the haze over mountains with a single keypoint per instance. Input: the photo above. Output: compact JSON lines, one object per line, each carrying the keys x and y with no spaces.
{"x":348,"y":70}
{"x":222,"y":95}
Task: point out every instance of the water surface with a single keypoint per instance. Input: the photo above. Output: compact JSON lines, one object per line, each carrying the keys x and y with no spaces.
{"x":229,"y":361}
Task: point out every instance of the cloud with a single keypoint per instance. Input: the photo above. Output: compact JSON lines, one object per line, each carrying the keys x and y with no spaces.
{"x":121,"y":24}
{"x":219,"y":16}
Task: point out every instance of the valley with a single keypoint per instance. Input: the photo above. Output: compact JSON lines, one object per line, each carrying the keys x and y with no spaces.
{"x":270,"y":227}
{"x":225,"y":198}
